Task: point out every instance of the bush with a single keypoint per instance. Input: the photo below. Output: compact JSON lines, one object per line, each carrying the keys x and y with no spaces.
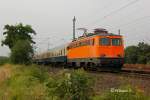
{"x":139,"y":54}
{"x":22,"y":52}
{"x":131,"y":54}
{"x":4,"y":60}
{"x":76,"y":85}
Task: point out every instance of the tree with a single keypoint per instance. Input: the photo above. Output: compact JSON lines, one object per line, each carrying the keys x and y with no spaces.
{"x":144,"y":47}
{"x":138,"y":54}
{"x":19,"y":40}
{"x":131,"y":54}
{"x":3,"y":60}
{"x":22,"y":52}
{"x":17,"y":32}
{"x":144,"y":53}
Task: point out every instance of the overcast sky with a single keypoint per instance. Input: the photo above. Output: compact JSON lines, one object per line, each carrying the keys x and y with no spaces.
{"x":52,"y":19}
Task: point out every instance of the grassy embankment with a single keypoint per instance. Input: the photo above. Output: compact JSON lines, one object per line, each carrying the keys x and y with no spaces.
{"x":19,"y":82}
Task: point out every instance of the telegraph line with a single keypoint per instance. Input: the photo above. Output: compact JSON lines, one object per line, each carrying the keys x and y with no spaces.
{"x":142,"y":18}
{"x":104,"y":7}
{"x":133,"y":27}
{"x":116,"y":11}
{"x":131,"y":22}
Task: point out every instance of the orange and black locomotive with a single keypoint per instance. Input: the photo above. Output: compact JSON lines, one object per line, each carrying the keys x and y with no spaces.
{"x":99,"y":49}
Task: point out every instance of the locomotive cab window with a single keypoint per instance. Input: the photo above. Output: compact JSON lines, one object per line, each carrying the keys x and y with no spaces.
{"x":116,"y":42}
{"x":105,"y":41}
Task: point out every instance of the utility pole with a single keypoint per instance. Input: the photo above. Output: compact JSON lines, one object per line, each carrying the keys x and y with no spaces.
{"x":48,"y":45}
{"x":119,"y":31}
{"x":74,"y":20}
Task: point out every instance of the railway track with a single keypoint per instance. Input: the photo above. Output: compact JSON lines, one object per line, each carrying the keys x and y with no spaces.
{"x":145,"y":74}
{"x":135,"y":73}
{"x":126,"y":73}
{"x":108,"y":80}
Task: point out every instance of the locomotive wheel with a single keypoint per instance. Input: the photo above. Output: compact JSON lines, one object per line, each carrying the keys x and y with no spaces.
{"x":85,"y":68}
{"x":90,"y":66}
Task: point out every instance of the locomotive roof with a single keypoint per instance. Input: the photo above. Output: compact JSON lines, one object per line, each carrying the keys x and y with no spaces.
{"x":103,"y":34}
{"x":97,"y":34}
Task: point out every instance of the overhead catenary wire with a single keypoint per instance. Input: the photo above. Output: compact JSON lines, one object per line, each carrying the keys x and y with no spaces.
{"x":114,"y":12}
{"x":134,"y":28}
{"x":130,"y":22}
{"x":103,"y":7}
{"x":134,"y":21}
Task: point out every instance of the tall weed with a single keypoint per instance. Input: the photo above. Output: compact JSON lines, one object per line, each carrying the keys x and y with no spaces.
{"x":76,"y":85}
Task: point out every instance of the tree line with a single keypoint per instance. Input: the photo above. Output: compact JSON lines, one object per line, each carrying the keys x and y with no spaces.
{"x":138,"y":54}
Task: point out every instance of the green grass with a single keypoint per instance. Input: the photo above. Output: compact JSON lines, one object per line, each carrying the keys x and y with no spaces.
{"x":36,"y":83}
{"x":25,"y":82}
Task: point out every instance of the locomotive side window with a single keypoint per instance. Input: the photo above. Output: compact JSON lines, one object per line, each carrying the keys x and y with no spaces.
{"x":105,"y":41}
{"x":92,"y":42}
{"x":116,"y":42}
{"x":81,"y":43}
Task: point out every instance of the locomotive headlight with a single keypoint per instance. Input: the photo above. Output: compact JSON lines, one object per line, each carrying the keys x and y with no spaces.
{"x":119,"y":55}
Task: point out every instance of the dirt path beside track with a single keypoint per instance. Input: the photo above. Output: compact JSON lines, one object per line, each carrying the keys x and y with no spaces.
{"x":5,"y":72}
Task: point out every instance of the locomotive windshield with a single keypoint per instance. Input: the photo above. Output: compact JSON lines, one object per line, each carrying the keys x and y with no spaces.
{"x":116,"y":42}
{"x":105,"y":41}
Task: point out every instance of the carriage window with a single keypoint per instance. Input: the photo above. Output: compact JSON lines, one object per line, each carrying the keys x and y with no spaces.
{"x":104,"y":41}
{"x":92,"y":42}
{"x":116,"y":42}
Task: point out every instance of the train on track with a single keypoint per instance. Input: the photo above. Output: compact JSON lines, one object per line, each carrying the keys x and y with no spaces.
{"x":97,"y":50}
